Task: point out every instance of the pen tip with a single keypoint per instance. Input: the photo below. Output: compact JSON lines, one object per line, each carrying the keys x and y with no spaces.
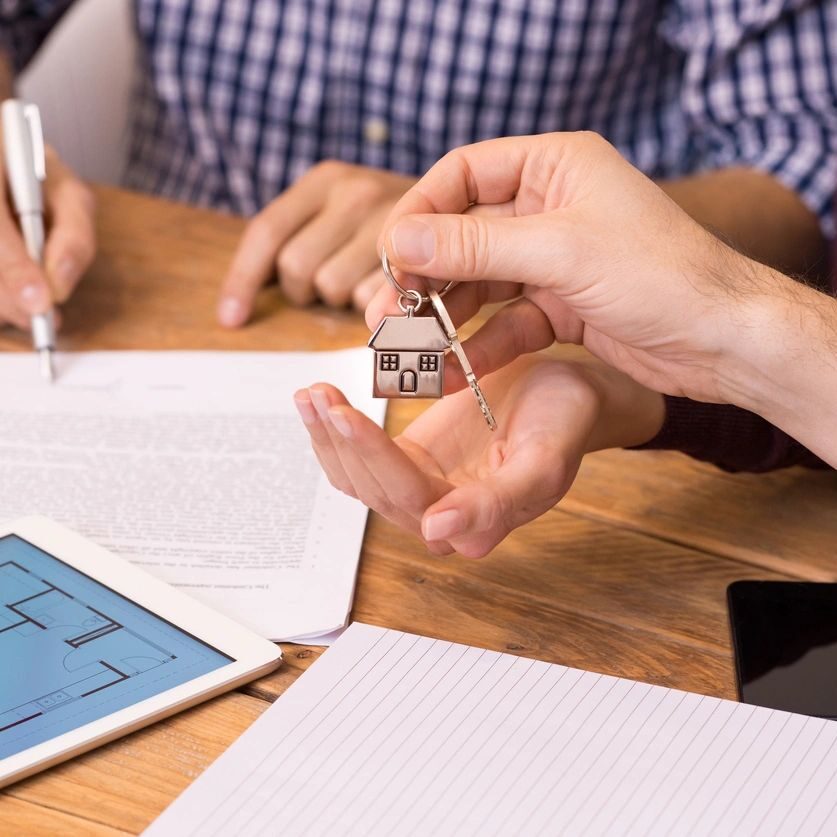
{"x":47,"y":370}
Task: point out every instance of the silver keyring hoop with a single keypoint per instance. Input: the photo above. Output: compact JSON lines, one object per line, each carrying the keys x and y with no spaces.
{"x":405,"y":307}
{"x":407,"y":293}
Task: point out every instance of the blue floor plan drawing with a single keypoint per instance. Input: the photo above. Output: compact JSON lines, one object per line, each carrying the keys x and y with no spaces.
{"x":79,"y":650}
{"x":73,"y":651}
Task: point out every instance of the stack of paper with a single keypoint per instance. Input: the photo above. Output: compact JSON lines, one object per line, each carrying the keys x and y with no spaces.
{"x":194,"y":465}
{"x":390,"y":733}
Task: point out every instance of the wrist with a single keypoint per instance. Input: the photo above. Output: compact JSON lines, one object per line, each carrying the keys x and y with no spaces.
{"x":628,"y":414}
{"x":784,"y":365}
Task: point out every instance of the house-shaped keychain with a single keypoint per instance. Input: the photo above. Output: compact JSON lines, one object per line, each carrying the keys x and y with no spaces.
{"x":409,"y":357}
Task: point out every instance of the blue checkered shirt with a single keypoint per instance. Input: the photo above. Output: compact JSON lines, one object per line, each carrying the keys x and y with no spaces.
{"x":239,"y":97}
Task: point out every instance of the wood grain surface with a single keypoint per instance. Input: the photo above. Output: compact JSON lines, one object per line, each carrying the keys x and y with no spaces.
{"x":627,"y":576}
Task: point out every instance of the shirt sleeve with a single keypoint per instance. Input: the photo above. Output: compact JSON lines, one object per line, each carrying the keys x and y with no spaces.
{"x":759,"y":89}
{"x":24,"y":24}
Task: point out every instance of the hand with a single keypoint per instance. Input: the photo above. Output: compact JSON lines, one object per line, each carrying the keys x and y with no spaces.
{"x":451,"y":481}
{"x":25,"y":287}
{"x":598,"y":254}
{"x":319,"y":236}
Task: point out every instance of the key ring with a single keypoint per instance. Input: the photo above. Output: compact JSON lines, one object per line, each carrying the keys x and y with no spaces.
{"x":406,"y":308}
{"x":408,"y":293}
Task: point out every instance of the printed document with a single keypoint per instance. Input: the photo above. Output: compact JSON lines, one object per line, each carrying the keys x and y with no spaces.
{"x":390,"y":733}
{"x":196,"y":466}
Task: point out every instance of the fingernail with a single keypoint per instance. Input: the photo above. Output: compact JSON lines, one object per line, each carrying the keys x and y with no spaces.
{"x":413,"y":242}
{"x":442,"y":525}
{"x":341,"y":422}
{"x":320,"y":400}
{"x":306,"y":411}
{"x":230,"y":312}
{"x":34,"y":297}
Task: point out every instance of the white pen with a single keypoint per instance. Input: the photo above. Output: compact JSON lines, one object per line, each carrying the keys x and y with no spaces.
{"x":23,"y":143}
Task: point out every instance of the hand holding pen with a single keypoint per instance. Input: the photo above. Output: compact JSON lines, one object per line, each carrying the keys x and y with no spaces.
{"x":47,"y":235}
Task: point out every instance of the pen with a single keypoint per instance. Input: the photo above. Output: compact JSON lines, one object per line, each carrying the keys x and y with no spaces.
{"x":23,"y":142}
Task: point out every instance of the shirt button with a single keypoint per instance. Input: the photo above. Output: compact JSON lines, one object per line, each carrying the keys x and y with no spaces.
{"x":376,"y":130}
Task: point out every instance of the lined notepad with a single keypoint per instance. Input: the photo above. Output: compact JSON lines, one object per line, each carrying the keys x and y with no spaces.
{"x":390,"y":733}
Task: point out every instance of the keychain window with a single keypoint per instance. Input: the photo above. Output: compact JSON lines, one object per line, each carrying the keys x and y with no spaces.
{"x":428,"y":363}
{"x":389,"y":363}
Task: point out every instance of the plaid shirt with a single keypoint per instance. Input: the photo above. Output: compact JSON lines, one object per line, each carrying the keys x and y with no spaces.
{"x":239,"y":97}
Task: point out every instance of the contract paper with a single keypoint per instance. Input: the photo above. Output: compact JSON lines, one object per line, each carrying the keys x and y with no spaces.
{"x":390,"y":733}
{"x":195,"y":466}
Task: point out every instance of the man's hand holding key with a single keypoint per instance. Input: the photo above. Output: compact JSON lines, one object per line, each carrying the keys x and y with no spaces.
{"x":585,"y":250}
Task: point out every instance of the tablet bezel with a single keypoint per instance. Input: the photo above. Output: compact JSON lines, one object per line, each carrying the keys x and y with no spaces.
{"x":252,"y":656}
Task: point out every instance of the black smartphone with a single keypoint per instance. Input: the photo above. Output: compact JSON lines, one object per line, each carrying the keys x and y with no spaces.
{"x":784,"y":635}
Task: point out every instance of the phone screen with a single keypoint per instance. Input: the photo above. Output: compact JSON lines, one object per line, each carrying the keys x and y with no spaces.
{"x":785,"y":638}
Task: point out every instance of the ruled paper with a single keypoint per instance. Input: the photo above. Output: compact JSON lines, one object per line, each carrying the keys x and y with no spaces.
{"x":390,"y":733}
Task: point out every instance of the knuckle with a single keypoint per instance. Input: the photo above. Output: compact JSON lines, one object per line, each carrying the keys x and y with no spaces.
{"x":291,"y":263}
{"x":82,"y":248}
{"x":454,"y":157}
{"x":495,"y":513}
{"x":294,"y":280}
{"x":359,"y":298}
{"x":331,"y":287}
{"x":362,"y":294}
{"x":260,"y":229}
{"x":471,"y":246}
{"x":330,"y":169}
{"x":360,"y":192}
{"x":594,"y":141}
{"x":17,"y":272}
{"x":84,"y":196}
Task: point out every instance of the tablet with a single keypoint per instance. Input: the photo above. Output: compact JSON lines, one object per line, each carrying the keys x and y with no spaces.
{"x":91,"y":648}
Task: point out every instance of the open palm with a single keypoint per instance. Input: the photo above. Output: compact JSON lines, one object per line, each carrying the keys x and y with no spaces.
{"x":447,"y":477}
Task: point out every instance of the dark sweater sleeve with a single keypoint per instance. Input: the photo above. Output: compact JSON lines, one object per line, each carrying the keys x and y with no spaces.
{"x":729,"y":437}
{"x":24,"y":24}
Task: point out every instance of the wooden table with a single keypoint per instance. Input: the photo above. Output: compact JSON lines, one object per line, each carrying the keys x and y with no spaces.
{"x":626,"y":576}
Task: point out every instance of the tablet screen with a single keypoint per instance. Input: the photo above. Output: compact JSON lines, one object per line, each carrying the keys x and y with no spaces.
{"x":73,"y":651}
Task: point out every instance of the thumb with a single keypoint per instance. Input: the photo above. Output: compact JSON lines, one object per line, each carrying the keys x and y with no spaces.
{"x":476,"y":516}
{"x":475,"y":247}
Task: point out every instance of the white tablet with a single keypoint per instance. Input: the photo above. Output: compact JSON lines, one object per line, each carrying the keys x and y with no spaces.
{"x":92,"y":648}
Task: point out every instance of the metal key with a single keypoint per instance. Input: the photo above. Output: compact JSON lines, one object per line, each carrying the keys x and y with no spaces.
{"x":450,"y":330}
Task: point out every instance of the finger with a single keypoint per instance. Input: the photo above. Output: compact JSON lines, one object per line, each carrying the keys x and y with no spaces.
{"x":340,"y":419}
{"x":477,"y":516}
{"x":388,"y":480}
{"x":483,"y":173}
{"x":493,"y":210}
{"x":337,"y":277}
{"x":255,"y":259}
{"x":366,"y":289}
{"x":71,"y":243}
{"x":301,"y":260}
{"x":477,"y":248}
{"x":10,"y":313}
{"x":23,"y":285}
{"x":386,"y":304}
{"x":518,"y":328}
{"x":322,"y":444}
